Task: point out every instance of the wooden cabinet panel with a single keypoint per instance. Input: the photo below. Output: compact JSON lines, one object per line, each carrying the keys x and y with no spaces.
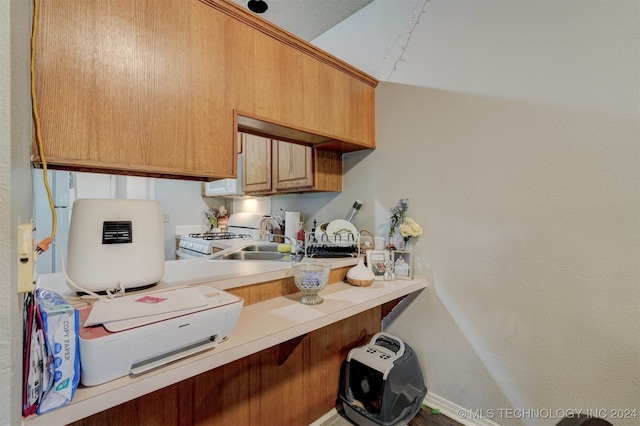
{"x":293,"y":166}
{"x":256,"y":164}
{"x":338,"y":104}
{"x":327,"y":170}
{"x":256,"y":293}
{"x":278,"y":82}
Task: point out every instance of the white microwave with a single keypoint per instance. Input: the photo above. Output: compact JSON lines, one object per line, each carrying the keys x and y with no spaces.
{"x":226,"y":187}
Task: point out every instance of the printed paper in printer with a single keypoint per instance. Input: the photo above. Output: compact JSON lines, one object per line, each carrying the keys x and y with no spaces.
{"x":142,"y":305}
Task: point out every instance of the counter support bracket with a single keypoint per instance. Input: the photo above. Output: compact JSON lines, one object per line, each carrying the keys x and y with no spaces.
{"x":285,"y":349}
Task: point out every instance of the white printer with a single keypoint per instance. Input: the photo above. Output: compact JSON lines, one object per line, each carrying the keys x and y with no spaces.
{"x":116,"y":349}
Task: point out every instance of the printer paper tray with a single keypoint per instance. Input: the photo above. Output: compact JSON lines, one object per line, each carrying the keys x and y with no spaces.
{"x":150,"y":364}
{"x":107,"y":355}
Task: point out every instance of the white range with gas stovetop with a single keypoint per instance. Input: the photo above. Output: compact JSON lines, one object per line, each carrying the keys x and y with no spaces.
{"x":240,"y":227}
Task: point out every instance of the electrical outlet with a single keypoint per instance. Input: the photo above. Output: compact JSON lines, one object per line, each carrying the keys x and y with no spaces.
{"x":165,"y":217}
{"x":25,"y":258}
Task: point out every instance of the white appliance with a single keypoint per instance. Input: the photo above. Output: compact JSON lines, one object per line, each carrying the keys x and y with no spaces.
{"x":246,"y":223}
{"x":240,"y":226}
{"x":230,"y":188}
{"x":66,"y":187}
{"x":196,"y":246}
{"x":115,"y":243}
{"x":106,"y":355}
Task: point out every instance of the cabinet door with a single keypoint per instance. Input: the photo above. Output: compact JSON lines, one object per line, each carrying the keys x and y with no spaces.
{"x":134,"y":87}
{"x":272,"y":166}
{"x":257,"y":164}
{"x":293,"y":166}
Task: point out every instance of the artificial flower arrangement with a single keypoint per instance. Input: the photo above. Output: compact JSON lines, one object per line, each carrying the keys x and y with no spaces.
{"x":214,"y":216}
{"x":398,"y":214}
{"x":410,"y":229}
{"x":399,"y":222}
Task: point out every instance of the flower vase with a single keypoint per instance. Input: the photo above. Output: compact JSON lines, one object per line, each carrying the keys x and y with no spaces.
{"x":396,"y":242}
{"x":408,"y":245}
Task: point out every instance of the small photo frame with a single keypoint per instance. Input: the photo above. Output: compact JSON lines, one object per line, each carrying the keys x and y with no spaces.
{"x":403,"y":264}
{"x":376,"y":262}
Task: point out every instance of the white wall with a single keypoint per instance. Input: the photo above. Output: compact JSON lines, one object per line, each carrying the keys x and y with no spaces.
{"x":182,"y":200}
{"x":15,"y":193}
{"x":512,"y":127}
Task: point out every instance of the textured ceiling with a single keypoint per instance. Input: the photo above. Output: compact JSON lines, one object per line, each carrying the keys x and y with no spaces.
{"x":308,"y":18}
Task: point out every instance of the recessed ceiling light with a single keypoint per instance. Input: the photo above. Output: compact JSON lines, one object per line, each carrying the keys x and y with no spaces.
{"x":257,"y":6}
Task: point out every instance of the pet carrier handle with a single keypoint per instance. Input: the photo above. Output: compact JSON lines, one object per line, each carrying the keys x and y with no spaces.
{"x":387,"y":341}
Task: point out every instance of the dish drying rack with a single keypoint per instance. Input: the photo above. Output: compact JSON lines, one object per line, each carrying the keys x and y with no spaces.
{"x":338,"y":245}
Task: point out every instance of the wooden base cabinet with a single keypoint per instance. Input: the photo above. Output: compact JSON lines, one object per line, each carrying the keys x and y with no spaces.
{"x":293,"y":383}
{"x":271,"y":167}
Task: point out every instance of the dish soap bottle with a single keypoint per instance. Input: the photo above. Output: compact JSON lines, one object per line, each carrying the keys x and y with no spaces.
{"x":300,"y":238}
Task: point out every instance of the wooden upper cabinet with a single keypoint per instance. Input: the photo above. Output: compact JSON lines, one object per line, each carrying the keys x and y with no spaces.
{"x":292,"y":166}
{"x":256,"y":164}
{"x":159,"y":87}
{"x":272,"y":166}
{"x":134,"y":87}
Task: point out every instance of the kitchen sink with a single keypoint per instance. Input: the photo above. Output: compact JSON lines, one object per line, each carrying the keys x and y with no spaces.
{"x":254,"y":255}
{"x":263,"y":248}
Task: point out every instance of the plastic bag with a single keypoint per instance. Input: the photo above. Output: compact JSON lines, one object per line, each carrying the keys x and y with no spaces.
{"x":37,"y":367}
{"x":60,"y":323}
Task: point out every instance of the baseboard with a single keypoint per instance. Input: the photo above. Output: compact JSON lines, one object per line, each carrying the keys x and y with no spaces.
{"x":455,"y":412}
{"x":326,"y":416}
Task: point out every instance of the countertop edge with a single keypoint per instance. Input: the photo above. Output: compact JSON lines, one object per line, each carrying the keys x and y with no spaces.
{"x":194,"y":272}
{"x":245,"y":340}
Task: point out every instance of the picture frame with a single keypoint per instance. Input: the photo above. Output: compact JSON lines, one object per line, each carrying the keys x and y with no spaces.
{"x":403,"y":264}
{"x":376,"y":262}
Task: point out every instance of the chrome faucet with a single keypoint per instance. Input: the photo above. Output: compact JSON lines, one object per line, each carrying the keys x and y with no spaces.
{"x":271,"y":236}
{"x":297,"y":249}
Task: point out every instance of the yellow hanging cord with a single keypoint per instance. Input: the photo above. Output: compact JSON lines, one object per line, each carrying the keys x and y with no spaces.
{"x":44,"y":244}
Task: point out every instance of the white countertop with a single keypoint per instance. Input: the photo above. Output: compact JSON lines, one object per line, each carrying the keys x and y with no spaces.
{"x":261,"y":326}
{"x":222,"y":274}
